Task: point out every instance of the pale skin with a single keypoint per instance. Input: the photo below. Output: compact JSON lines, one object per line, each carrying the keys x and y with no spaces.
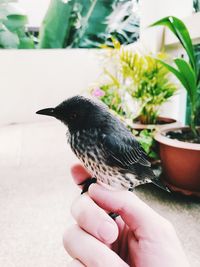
{"x":139,"y":237}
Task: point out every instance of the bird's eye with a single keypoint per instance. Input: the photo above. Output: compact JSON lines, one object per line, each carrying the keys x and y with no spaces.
{"x":73,"y":115}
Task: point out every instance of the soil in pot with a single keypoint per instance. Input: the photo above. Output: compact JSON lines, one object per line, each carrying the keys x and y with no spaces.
{"x":185,"y":135}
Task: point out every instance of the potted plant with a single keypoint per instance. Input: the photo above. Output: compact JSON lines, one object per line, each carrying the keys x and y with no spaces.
{"x":136,"y":87}
{"x":149,"y":85}
{"x":180,"y":147}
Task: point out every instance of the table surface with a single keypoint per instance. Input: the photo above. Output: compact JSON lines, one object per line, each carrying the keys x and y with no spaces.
{"x":36,"y":192}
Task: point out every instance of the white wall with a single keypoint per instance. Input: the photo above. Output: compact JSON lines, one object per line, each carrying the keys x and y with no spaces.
{"x":153,"y":10}
{"x":35,"y":79}
{"x":153,"y":39}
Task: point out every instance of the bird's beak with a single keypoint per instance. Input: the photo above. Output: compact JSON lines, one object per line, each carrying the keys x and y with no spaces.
{"x":47,"y":112}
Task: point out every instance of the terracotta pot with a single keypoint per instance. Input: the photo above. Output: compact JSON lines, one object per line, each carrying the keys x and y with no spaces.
{"x":163,"y":123}
{"x":180,"y":163}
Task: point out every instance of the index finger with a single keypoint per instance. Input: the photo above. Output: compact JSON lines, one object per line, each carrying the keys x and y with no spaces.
{"x":141,"y":219}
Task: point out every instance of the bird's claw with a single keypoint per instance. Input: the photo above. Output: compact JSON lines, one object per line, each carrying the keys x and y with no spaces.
{"x":113,"y":215}
{"x":86,"y":184}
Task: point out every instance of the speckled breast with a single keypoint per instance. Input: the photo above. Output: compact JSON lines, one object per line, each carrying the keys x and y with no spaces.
{"x":87,"y":147}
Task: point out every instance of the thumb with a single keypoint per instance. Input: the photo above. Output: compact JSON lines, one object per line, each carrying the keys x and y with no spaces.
{"x":134,"y":212}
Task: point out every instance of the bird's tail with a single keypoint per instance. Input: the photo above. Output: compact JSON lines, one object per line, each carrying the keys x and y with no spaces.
{"x":161,"y":185}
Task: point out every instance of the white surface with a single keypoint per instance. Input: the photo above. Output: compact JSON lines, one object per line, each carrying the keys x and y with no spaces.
{"x":36,"y":191}
{"x":153,"y":10}
{"x":35,"y":79}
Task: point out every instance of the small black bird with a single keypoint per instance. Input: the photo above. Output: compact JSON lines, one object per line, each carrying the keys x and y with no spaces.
{"x":104,"y":145}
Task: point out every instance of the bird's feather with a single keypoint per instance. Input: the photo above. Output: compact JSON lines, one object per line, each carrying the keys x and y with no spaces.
{"x":124,"y":150}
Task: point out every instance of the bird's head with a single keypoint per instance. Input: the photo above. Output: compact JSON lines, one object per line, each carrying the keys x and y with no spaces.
{"x":78,"y":113}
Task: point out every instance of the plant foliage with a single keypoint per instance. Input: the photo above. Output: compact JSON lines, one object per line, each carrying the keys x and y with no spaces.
{"x":196,"y":5}
{"x":13,"y":27}
{"x":149,"y":83}
{"x":197,"y":57}
{"x":88,"y":23}
{"x":55,"y":28}
{"x":147,"y":141}
{"x":111,"y":95}
{"x":141,"y":79}
{"x":144,"y":79}
{"x":187,"y":72}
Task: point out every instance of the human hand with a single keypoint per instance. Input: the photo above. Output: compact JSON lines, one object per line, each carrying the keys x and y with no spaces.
{"x":139,"y":237}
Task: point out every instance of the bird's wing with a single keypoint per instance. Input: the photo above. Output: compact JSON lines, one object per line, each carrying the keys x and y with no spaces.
{"x":126,"y":150}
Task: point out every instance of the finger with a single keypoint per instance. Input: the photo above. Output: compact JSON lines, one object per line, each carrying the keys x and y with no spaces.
{"x":94,"y":220}
{"x":79,"y":173}
{"x":75,"y":263}
{"x":133,"y":211}
{"x":89,"y":250}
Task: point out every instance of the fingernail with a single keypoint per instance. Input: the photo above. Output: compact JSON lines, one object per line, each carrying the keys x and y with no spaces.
{"x":107,"y":232}
{"x":97,"y":187}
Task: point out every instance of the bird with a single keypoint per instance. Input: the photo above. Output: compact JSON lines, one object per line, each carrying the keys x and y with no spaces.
{"x":104,"y":145}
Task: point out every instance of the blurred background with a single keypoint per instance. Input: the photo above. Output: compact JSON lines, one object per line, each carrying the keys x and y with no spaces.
{"x":51,"y":50}
{"x":29,"y":75}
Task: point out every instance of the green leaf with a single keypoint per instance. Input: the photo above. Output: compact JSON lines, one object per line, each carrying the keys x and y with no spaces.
{"x":115,"y":81}
{"x":175,"y":72}
{"x":146,"y":140}
{"x":14,"y":22}
{"x":56,"y":24}
{"x":189,"y":76}
{"x":26,"y":43}
{"x":185,"y":74}
{"x":181,"y":32}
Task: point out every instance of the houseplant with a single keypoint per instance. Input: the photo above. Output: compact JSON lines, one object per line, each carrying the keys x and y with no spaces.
{"x":141,"y":83}
{"x":148,"y":84}
{"x":180,"y":147}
